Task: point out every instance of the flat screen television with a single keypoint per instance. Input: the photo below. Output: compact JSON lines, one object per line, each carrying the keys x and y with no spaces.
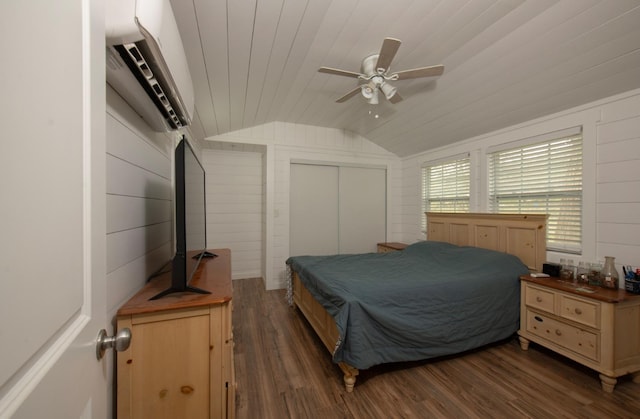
{"x":190,"y":221}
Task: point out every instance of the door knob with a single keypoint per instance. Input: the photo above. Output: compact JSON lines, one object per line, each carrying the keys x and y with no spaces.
{"x":120,"y":342}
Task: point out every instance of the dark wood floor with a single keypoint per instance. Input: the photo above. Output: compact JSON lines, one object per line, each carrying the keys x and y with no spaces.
{"x":284,"y":371}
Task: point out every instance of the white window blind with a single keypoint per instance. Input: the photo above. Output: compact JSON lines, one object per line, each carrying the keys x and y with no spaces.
{"x":545,"y":177}
{"x":445,"y":187}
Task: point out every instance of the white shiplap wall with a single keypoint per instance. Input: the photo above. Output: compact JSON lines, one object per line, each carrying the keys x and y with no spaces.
{"x":285,"y":142}
{"x":139,"y":201}
{"x":235,"y":207}
{"x":611,"y":184}
{"x":618,"y":181}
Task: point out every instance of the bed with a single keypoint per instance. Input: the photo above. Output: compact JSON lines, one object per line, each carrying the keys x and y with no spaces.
{"x":455,"y":292}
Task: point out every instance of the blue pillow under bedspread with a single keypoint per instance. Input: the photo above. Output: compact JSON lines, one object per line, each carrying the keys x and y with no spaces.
{"x":431,"y":299}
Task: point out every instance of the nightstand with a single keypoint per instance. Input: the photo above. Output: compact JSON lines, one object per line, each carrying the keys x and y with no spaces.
{"x":390,"y":247}
{"x":597,"y":327}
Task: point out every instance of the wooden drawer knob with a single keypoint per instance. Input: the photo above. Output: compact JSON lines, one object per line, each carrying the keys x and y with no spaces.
{"x":578,"y":311}
{"x":558,"y":332}
{"x":539,"y":299}
{"x":186,"y":389}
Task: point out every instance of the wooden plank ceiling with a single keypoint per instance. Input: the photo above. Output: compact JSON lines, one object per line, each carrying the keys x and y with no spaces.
{"x":509,"y":61}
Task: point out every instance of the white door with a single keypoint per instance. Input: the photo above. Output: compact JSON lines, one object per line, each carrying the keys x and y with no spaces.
{"x":52,"y":213}
{"x":363,"y":209}
{"x":313,"y":210}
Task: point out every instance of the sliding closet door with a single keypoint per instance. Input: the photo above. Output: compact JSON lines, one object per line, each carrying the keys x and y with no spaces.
{"x":314,"y":210}
{"x":362,"y":209}
{"x":336,"y":210}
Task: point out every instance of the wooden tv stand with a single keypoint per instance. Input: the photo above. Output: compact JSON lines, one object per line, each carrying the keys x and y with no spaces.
{"x":180,"y":362}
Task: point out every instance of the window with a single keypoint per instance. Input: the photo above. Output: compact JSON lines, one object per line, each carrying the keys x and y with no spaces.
{"x":545,"y":177}
{"x":445,"y":187}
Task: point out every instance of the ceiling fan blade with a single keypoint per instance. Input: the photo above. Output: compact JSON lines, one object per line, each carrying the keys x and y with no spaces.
{"x":338,"y":72}
{"x":349,"y":95}
{"x":387,"y":52}
{"x":434,"y":70}
{"x":395,"y":98}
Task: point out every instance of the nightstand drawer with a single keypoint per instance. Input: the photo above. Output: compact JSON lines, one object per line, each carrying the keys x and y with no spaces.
{"x":540,"y":299}
{"x":581,"y":311}
{"x":580,"y":341}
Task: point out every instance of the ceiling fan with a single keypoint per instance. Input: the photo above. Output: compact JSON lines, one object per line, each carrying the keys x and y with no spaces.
{"x":375,"y":74}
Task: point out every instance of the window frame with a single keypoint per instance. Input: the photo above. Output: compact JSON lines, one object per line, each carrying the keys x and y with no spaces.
{"x":557,"y":245}
{"x":424,"y":200}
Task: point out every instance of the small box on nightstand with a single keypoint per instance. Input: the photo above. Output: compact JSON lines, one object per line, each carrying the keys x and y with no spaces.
{"x":551,"y":269}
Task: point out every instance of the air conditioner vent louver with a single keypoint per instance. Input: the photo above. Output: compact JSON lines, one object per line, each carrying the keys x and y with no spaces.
{"x":145,"y":75}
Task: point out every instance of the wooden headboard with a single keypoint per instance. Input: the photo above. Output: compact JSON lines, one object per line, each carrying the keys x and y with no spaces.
{"x":522,"y":235}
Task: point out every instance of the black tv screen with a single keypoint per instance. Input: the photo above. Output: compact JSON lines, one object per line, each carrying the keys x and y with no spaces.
{"x":190,"y":220}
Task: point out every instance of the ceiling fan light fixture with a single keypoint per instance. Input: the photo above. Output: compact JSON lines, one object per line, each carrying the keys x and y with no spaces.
{"x":370,"y":89}
{"x":367,"y":91}
{"x":373,"y":100}
{"x":388,"y":90}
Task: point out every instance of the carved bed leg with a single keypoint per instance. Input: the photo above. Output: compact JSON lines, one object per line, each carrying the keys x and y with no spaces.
{"x":350,"y":374}
{"x":349,"y":382}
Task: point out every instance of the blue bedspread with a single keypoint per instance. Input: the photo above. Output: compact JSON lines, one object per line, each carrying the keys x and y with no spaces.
{"x":431,"y":299}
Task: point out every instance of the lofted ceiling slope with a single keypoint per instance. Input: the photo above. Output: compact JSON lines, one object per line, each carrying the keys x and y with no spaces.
{"x":506,"y":62}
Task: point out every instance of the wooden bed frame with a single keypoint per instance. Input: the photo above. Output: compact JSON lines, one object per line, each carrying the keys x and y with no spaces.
{"x":522,"y":235}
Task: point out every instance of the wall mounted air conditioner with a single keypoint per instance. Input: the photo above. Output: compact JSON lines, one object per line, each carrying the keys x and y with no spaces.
{"x":146,"y":63}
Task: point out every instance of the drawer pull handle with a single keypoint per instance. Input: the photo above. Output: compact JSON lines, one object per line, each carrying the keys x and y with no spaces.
{"x":538,"y":318}
{"x":539,"y":299}
{"x":578,"y":311}
{"x":558,"y":332}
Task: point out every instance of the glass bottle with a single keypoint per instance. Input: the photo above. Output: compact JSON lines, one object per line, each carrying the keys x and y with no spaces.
{"x":566,"y":269}
{"x":582,"y":272}
{"x":571,"y":268}
{"x":609,"y":274}
{"x":595,"y":269}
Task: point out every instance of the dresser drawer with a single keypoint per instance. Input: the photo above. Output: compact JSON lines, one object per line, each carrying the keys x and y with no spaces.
{"x":580,"y":311}
{"x":580,"y":341}
{"x":540,"y":299}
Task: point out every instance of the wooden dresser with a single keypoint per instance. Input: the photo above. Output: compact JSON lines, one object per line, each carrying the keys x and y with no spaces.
{"x":597,"y":327}
{"x":180,"y":362}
